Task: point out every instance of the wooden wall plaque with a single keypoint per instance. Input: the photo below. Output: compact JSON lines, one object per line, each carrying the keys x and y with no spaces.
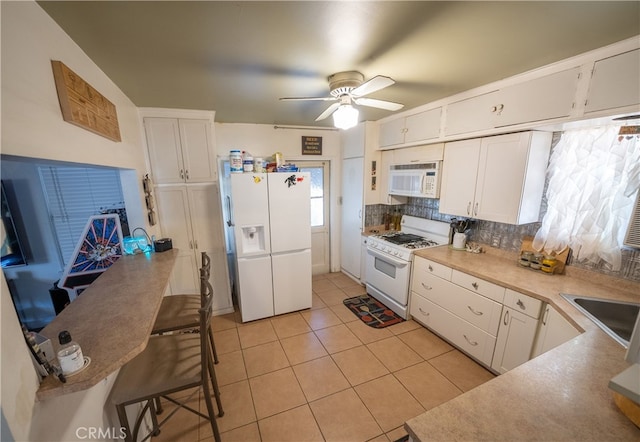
{"x":82,"y":105}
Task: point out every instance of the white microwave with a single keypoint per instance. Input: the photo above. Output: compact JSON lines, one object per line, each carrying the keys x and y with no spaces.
{"x":419,"y":180}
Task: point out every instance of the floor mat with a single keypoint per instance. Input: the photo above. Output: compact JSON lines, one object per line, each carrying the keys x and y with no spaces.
{"x":371,"y":311}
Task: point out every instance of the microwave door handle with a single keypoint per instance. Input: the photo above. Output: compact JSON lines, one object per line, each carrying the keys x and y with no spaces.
{"x":423,"y":179}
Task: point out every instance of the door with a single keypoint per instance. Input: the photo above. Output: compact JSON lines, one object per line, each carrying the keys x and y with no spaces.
{"x":320,"y":233}
{"x":291,"y":281}
{"x":250,"y":214}
{"x":206,"y":222}
{"x":165,"y":151}
{"x":352,"y":179}
{"x":289,"y":211}
{"x":255,"y":294}
{"x":173,"y":214}
{"x":459,"y":171}
{"x":515,"y":340}
{"x":197,"y":153}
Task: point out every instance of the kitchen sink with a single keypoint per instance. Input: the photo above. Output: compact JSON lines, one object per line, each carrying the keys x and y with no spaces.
{"x":616,"y":318}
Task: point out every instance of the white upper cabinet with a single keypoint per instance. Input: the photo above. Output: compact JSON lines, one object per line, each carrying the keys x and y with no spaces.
{"x":411,"y":129}
{"x":548,"y":97}
{"x":499,"y":178}
{"x":353,"y":141}
{"x":180,"y":150}
{"x":615,"y":82}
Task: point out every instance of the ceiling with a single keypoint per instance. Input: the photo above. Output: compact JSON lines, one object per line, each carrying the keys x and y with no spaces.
{"x":238,"y":57}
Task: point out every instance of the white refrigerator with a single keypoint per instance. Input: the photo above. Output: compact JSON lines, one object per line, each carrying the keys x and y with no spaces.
{"x":271,"y":218}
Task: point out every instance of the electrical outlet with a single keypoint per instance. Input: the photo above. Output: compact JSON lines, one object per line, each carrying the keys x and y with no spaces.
{"x":495,"y":241}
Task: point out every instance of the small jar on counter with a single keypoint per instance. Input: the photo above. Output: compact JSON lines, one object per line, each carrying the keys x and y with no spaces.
{"x":549,"y":264}
{"x":536,"y":261}
{"x":525,"y":259}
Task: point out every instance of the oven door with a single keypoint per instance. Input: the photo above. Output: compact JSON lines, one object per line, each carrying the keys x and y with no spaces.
{"x":389,"y":275}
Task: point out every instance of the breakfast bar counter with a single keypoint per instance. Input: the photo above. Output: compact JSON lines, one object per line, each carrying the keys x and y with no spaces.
{"x":562,"y":394}
{"x":112,"y":319}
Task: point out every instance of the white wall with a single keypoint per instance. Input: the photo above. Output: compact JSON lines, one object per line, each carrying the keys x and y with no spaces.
{"x":263,"y":140}
{"x":32,"y":127}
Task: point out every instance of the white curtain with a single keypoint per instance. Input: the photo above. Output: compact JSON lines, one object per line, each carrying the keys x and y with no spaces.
{"x":594,"y":175}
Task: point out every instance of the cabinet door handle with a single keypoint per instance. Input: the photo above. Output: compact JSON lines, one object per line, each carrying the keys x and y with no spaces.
{"x":186,"y":174}
{"x":475,"y":210}
{"x":423,"y":312}
{"x":191,"y":244}
{"x":506,"y":317}
{"x":430,"y":268}
{"x":475,"y":285}
{"x":428,"y":287}
{"x":469,"y":208}
{"x":474,"y":343}
{"x":181,"y":174}
{"x":475,"y":312}
{"x":544,"y":317}
{"x":521,"y":304}
{"x":195,"y":243}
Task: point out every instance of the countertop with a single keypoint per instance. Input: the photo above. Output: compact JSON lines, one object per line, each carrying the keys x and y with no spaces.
{"x":562,"y":394}
{"x":112,"y":319}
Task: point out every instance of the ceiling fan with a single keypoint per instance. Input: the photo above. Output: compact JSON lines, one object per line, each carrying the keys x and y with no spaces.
{"x":347,"y":88}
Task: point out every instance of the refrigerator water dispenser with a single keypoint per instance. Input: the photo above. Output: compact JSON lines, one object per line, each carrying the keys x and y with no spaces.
{"x":253,"y":240}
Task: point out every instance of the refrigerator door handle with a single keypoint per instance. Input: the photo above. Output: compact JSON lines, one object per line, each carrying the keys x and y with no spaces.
{"x":229,"y":221}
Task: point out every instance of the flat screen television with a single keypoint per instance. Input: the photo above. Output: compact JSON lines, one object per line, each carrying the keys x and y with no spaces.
{"x":12,"y":250}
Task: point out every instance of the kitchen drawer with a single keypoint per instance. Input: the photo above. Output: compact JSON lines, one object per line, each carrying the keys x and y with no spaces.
{"x":479,"y":311}
{"x":478,"y":285}
{"x":420,"y":309}
{"x":423,"y":266}
{"x":523,"y":303}
{"x":468,"y":338}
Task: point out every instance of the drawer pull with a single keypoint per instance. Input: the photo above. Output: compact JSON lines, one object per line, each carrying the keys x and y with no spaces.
{"x":430,"y":268}
{"x":428,"y":287}
{"x":475,"y":285}
{"x":423,"y":312}
{"x":475,"y":312}
{"x":474,"y":343}
{"x":521,"y":304}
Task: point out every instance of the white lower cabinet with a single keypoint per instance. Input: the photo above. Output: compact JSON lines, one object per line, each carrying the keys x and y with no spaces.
{"x":554,"y":330}
{"x":468,"y":338}
{"x":494,"y":325}
{"x":517,"y":332}
{"x":466,"y":319}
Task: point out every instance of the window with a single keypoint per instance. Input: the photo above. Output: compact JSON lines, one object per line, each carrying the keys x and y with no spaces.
{"x":74,"y":194}
{"x":317,"y":194}
{"x":594,"y":175}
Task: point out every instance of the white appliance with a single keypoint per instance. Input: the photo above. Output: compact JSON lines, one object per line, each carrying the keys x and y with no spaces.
{"x":419,"y":180}
{"x":389,"y":257}
{"x":271,"y":219}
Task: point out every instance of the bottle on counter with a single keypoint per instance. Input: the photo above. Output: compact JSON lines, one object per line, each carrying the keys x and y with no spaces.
{"x":70,"y":354}
{"x":386,"y":220}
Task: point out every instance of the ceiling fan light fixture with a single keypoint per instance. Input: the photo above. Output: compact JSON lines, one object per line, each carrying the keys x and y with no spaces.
{"x":345,"y":117}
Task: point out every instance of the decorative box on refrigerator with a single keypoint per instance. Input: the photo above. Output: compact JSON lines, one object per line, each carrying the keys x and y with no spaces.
{"x":271,"y":218}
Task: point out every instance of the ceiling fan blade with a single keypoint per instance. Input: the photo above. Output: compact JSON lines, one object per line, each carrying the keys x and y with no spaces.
{"x":308,"y":99}
{"x":375,"y":84}
{"x":331,"y":109}
{"x":381,"y":104}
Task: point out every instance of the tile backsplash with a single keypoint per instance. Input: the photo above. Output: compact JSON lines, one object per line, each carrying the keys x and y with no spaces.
{"x":503,"y":236}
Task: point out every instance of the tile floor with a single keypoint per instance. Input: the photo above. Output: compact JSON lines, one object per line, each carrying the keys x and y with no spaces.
{"x":323,"y":375}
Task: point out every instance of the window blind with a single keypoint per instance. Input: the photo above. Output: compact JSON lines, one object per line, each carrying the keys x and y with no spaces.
{"x":73,"y":194}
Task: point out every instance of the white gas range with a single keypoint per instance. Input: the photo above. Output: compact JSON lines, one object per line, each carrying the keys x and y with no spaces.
{"x":389,"y":256}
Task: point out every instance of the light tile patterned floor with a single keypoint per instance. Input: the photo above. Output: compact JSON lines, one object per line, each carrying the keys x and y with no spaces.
{"x":323,"y":375}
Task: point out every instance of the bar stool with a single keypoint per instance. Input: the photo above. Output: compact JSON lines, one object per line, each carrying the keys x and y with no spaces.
{"x":169,"y":364}
{"x":180,"y":312}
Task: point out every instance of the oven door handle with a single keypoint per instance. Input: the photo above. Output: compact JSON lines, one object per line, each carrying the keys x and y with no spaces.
{"x":397,"y":262}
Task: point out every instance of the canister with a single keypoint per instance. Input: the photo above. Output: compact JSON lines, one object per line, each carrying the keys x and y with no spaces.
{"x":235,"y":161}
{"x":247,"y":163}
{"x":258,"y":165}
{"x":549,"y":264}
